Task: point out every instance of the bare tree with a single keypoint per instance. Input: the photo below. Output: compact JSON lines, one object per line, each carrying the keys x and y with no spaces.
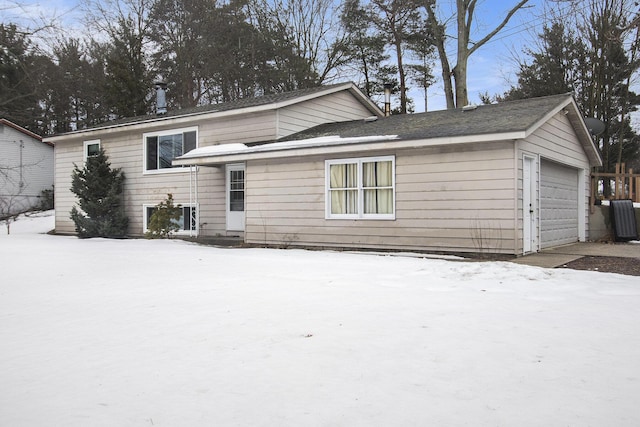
{"x":14,"y":200}
{"x":8,"y":211}
{"x":455,"y":79}
{"x":312,"y":28}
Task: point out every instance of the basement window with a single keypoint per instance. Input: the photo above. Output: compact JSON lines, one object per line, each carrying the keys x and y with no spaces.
{"x":186,"y":223}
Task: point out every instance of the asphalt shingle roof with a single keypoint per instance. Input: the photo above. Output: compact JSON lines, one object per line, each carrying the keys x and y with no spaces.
{"x":512,"y":116}
{"x":225,"y":106}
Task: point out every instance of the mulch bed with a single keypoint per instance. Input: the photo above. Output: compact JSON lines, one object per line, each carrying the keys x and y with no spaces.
{"x":606,"y":264}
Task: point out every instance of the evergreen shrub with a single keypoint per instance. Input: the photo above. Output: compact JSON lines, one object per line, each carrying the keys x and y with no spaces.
{"x":99,"y":191}
{"x":164,"y":219}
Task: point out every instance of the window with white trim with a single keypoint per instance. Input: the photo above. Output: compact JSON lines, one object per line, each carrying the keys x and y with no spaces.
{"x":187,"y":222}
{"x":362,"y":188}
{"x":91,"y":149}
{"x":160,"y":148}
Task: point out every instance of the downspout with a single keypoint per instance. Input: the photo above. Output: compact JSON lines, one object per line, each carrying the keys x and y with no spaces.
{"x":190,"y":200}
{"x":197,"y":203}
{"x":193,"y":200}
{"x":516,"y":237}
{"x":21,"y":182}
{"x":537,"y":202}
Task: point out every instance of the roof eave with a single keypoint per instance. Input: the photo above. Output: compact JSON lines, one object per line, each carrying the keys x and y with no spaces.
{"x":171,"y":120}
{"x":177,"y":119}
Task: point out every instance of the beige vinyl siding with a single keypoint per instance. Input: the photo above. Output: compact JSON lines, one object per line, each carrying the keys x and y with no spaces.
{"x":66,"y":154}
{"x":337,"y":107}
{"x":125,"y":151}
{"x":254,"y":127}
{"x":152,"y":189}
{"x":124,"y":146}
{"x":556,"y":140}
{"x":149,"y":189}
{"x":445,"y":201}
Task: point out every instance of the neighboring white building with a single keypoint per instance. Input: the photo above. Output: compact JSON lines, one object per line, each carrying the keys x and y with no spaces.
{"x":26,"y":168}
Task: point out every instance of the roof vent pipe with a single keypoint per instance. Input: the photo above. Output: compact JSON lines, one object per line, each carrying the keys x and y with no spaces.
{"x":161,"y":98}
{"x":387,"y":99}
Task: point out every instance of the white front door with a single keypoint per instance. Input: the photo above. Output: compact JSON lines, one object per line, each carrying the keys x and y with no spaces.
{"x":529,"y":205}
{"x":235,"y":197}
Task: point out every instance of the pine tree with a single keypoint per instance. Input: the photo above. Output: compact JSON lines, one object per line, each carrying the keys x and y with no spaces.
{"x":99,"y":190}
{"x":128,"y":79}
{"x":164,"y":219}
{"x":400,"y":21}
{"x":365,"y":50}
{"x":19,"y":68}
{"x":593,"y":62}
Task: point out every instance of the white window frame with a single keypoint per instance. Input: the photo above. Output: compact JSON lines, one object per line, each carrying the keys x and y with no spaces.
{"x":182,"y":169}
{"x":360,"y":214}
{"x":85,"y":148}
{"x":145,"y":225}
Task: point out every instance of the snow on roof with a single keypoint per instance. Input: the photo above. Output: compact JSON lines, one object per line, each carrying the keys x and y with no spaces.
{"x":323,"y":141}
{"x":213,"y":150}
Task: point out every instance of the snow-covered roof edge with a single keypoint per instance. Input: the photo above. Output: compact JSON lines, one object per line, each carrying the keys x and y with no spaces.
{"x":239,"y":148}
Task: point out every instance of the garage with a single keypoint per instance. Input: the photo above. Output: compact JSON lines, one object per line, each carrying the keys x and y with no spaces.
{"x":558,"y":204}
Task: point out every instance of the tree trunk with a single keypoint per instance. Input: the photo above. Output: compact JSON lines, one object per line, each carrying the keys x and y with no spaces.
{"x":446,"y":77}
{"x":464,"y":19}
{"x":439,"y":39}
{"x":401,"y":73}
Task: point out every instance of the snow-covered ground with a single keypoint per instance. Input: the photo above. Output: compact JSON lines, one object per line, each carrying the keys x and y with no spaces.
{"x":166,"y":333}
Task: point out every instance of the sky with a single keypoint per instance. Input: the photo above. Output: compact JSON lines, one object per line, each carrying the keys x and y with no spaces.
{"x":491,"y":68}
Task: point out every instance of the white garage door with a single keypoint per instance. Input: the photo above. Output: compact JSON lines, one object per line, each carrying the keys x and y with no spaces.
{"x":558,"y":204}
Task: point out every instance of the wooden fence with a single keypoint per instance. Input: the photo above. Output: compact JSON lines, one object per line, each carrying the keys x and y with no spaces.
{"x":622,"y":185}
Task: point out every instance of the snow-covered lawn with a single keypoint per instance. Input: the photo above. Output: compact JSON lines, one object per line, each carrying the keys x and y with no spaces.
{"x":166,"y":333}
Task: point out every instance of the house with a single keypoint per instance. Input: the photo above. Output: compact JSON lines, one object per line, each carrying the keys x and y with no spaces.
{"x":144,"y":147}
{"x":508,"y":178}
{"x":26,"y":168}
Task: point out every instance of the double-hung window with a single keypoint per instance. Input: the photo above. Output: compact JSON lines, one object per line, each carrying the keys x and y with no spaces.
{"x":160,"y":148}
{"x":187,"y":222}
{"x":362,"y":188}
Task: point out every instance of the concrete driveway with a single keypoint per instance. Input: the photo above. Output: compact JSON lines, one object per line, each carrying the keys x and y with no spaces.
{"x":555,"y":257}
